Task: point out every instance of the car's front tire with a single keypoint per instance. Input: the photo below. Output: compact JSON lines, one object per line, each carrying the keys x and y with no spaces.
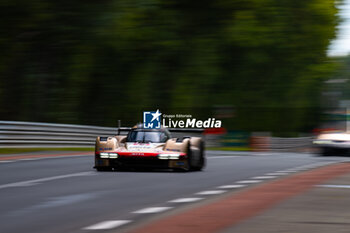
{"x":202,"y":161}
{"x":103,"y":169}
{"x":326,"y":151}
{"x":189,"y":166}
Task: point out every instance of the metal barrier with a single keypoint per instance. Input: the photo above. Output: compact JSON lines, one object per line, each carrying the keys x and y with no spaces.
{"x":280,"y":144}
{"x":32,"y":134}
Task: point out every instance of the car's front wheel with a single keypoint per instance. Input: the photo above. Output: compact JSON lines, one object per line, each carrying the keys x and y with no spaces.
{"x":201,"y":162}
{"x":189,"y":166}
{"x":103,"y":169}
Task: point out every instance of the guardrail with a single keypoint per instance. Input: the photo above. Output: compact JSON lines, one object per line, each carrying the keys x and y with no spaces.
{"x":32,"y":134}
{"x":287,"y":144}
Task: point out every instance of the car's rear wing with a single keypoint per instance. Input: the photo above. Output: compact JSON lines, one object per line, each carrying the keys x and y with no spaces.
{"x":123,"y":129}
{"x":186,"y":132}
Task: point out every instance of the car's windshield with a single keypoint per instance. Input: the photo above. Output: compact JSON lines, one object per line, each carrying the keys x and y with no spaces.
{"x":146,"y":136}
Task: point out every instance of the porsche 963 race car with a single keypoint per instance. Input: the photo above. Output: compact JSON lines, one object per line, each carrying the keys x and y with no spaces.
{"x":149,"y":148}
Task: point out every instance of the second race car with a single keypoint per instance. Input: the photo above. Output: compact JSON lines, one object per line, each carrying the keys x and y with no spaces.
{"x":333,"y":143}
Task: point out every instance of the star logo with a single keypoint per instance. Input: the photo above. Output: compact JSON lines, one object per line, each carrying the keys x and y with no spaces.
{"x":151,"y":120}
{"x":156,"y":115}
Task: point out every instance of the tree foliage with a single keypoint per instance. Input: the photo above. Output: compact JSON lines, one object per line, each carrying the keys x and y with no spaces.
{"x":94,"y":62}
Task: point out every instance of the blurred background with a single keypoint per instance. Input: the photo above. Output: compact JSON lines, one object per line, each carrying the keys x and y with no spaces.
{"x":258,"y":65}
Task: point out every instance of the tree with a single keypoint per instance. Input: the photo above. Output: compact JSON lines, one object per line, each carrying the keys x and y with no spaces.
{"x":93,"y":63}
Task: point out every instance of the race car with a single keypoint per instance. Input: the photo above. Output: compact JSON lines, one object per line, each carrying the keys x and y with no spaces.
{"x":333,"y":143}
{"x":149,"y":148}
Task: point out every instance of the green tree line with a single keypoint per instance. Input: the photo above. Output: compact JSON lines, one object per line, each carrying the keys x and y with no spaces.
{"x":93,"y":62}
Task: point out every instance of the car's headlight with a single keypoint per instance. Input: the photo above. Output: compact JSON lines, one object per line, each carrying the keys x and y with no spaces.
{"x":322,"y":141}
{"x":113,"y":155}
{"x":105,"y":155}
{"x":169,"y":156}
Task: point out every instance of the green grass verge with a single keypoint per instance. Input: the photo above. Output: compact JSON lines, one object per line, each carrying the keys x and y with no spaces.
{"x":24,"y":150}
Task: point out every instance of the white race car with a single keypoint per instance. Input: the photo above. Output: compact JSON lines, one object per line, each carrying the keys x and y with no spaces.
{"x":335,"y":143}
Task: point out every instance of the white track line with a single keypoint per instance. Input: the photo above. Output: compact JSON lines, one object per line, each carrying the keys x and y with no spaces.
{"x":211,"y":192}
{"x":248,"y":181}
{"x":151,"y":210}
{"x":233,"y":186}
{"x":185,"y":200}
{"x":334,"y":186}
{"x":29,"y":159}
{"x":107,"y":225}
{"x":7,"y":161}
{"x":277,"y":174}
{"x":313,"y":165}
{"x":37,"y":181}
{"x":284,"y":171}
{"x":291,"y":170}
{"x":263,"y":177}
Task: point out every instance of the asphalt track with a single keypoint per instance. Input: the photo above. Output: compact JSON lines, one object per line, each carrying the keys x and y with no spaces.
{"x":64,"y":194}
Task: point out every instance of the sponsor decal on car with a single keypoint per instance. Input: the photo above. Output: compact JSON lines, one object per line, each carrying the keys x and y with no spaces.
{"x":176,"y":150}
{"x":137,"y":154}
{"x":105,"y":149}
{"x":142,"y":146}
